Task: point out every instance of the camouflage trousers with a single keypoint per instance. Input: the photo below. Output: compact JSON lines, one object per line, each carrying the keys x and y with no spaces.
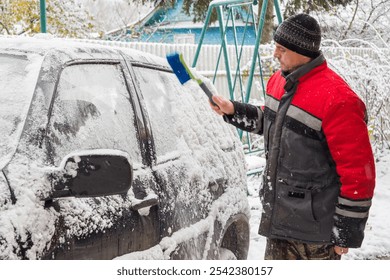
{"x":277,"y":249}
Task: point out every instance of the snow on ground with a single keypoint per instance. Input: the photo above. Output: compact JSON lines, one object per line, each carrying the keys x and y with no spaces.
{"x":376,"y":243}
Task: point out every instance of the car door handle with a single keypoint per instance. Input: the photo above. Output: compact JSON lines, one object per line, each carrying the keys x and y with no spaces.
{"x":148,"y":202}
{"x":216,"y":186}
{"x":217,"y":182}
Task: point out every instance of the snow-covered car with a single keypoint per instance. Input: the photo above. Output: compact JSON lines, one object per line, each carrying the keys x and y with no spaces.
{"x":104,"y":154}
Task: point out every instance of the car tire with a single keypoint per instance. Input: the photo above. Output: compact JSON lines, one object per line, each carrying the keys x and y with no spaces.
{"x":226,"y":254}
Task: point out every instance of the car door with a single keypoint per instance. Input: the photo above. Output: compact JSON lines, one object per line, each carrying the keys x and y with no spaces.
{"x":185,"y":182}
{"x":93,"y":111}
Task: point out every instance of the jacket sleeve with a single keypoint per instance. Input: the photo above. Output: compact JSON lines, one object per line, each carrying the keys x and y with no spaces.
{"x":246,"y":117}
{"x":347,"y":136}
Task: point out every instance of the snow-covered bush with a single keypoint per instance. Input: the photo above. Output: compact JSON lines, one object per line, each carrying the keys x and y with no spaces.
{"x":369,"y":76}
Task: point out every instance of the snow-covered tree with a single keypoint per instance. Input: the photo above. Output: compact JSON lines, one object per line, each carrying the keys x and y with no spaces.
{"x":368,"y":20}
{"x":294,"y":6}
{"x":65,"y":18}
{"x":116,"y":14}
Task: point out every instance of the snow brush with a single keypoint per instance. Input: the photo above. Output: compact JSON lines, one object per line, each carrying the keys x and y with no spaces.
{"x":184,"y":74}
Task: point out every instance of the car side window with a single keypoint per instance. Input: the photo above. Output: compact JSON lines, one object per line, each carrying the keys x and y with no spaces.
{"x":92,"y":110}
{"x":163,"y":101}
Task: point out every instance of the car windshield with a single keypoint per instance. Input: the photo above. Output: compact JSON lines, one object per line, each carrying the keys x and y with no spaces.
{"x":18,"y":75}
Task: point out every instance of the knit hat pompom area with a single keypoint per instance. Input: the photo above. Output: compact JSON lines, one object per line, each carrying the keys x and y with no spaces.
{"x":300,"y":33}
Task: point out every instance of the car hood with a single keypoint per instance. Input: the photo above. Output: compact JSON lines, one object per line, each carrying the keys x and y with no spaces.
{"x":18,"y":76}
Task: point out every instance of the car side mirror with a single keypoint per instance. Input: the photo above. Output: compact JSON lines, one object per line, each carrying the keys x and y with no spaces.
{"x":92,"y":175}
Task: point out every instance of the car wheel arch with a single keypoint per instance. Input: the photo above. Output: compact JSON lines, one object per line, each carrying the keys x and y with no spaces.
{"x":233,"y":236}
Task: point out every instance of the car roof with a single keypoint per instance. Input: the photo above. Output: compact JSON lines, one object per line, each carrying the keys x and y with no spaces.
{"x":75,"y":48}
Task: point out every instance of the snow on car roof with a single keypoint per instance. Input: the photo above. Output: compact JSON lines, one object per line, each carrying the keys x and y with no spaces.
{"x":44,"y":43}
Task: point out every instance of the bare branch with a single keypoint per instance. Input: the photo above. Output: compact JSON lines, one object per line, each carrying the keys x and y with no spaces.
{"x":352,"y":20}
{"x":5,"y":27}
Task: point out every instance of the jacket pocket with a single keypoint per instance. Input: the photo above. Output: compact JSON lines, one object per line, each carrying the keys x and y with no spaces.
{"x":294,"y":210}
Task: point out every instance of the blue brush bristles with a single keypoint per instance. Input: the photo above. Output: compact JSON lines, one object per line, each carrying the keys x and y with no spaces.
{"x":178,"y":67}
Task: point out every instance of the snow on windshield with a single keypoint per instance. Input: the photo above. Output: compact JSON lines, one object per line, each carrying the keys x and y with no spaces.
{"x":18,"y":75}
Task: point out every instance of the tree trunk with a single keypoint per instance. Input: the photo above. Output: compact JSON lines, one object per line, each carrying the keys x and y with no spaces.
{"x":269,"y":21}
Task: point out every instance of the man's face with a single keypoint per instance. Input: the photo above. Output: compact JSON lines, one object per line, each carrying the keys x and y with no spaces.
{"x":289,"y":60}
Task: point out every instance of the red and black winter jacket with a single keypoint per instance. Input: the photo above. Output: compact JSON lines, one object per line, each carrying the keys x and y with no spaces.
{"x":320,"y":174}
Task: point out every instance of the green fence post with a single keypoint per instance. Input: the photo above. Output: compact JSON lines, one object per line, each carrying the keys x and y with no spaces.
{"x":255,"y":54}
{"x":277,"y":11}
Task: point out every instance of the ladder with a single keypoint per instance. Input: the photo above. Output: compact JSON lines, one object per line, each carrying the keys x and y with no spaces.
{"x":226,"y":11}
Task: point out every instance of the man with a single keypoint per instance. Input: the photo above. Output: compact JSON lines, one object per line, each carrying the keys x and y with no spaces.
{"x":320,"y":175}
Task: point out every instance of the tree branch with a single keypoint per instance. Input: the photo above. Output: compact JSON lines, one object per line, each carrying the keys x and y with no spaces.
{"x":352,"y":20}
{"x":5,"y":27}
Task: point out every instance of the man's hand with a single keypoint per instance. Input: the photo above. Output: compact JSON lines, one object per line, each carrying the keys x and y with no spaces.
{"x":224,"y":106}
{"x":340,"y":250}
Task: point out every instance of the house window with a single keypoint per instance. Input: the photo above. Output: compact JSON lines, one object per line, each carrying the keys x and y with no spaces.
{"x":184,"y":38}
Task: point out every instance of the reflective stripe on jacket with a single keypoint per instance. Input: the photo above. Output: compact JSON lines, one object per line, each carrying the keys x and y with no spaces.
{"x":320,"y":173}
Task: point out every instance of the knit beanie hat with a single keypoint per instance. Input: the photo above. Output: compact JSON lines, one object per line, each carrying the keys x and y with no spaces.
{"x":300,"y":33}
